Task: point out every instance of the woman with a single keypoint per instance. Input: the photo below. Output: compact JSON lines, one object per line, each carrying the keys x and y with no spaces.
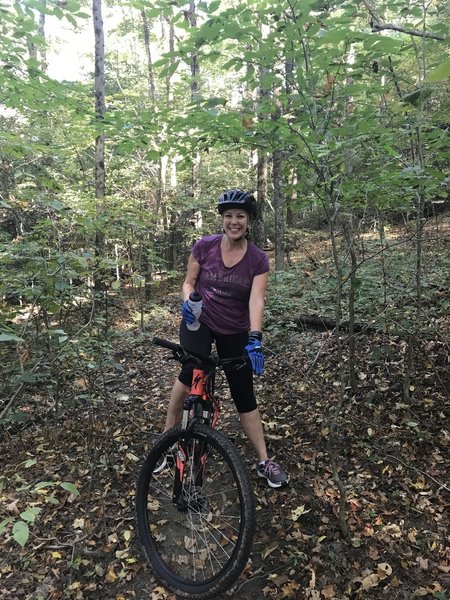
{"x":231,"y":274}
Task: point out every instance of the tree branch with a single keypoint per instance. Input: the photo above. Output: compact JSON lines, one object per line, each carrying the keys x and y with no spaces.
{"x":417,"y":32}
{"x":378,"y":25}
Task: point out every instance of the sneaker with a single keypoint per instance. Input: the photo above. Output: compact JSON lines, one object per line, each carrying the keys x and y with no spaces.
{"x":274,"y":474}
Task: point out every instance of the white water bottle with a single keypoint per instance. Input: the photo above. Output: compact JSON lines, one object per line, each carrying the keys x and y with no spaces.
{"x":195,"y":304}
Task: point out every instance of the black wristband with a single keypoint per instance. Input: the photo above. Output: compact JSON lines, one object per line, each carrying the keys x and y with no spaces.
{"x":256,"y":334}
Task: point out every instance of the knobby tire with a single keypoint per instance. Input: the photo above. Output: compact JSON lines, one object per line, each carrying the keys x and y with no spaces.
{"x":200,"y":549}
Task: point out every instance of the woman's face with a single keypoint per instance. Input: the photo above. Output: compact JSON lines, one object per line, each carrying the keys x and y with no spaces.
{"x":235,"y":223}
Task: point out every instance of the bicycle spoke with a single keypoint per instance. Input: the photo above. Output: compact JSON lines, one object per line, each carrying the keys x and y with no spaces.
{"x":199,"y":540}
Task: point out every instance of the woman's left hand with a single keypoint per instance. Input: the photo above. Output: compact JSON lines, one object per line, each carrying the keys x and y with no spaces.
{"x":255,"y":353}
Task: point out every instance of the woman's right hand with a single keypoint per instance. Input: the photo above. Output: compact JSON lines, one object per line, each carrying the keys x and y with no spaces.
{"x":186,"y":313}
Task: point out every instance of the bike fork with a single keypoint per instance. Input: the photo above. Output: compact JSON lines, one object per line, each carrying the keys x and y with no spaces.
{"x":182,"y":455}
{"x":197,"y":448}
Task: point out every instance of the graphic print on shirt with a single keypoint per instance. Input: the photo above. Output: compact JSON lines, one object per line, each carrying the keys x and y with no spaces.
{"x":221,"y":283}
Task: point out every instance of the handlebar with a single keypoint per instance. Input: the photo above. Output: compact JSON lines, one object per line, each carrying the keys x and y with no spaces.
{"x":166,"y":344}
{"x":185,"y":356}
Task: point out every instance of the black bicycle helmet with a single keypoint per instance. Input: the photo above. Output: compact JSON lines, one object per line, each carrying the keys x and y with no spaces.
{"x":237,"y":198}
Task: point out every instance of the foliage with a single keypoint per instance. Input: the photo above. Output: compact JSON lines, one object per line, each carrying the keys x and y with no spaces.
{"x":360,"y":116}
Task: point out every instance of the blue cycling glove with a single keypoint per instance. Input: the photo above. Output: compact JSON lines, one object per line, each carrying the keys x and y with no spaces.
{"x":186,"y":312}
{"x":255,"y":352}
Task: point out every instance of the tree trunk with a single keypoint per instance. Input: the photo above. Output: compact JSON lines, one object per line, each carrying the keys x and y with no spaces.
{"x":258,"y":233}
{"x":32,"y":50}
{"x":99,"y":87}
{"x":279,"y":202}
{"x":43,"y":52}
{"x":349,"y":237}
{"x":195,"y":88}
{"x":150,"y":75}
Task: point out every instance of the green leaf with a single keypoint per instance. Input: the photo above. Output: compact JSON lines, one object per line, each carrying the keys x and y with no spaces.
{"x":21,"y":532}
{"x":170,"y":70}
{"x":214,"y":5}
{"x":71,"y":20}
{"x":56,"y":205}
{"x":153,"y":155}
{"x":334,"y":36}
{"x":9,"y":337}
{"x":30,"y":514}
{"x":51,"y":499}
{"x":216,"y":101}
{"x":441,"y":72}
{"x":42,"y":485}
{"x":385,"y":45}
{"x":70,"y":487}
{"x":418,"y":96}
{"x":4,"y":524}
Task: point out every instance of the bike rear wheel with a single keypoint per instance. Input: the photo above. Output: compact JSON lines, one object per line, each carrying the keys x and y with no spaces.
{"x":199,"y":546}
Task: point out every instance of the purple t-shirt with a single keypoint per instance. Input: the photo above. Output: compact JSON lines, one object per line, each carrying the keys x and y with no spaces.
{"x":226,"y":290}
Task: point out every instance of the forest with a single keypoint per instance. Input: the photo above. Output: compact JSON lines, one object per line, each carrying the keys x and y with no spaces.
{"x":336,"y":115}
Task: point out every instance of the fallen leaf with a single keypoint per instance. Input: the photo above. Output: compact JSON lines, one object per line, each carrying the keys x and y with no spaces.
{"x":127,"y":535}
{"x":268,"y":551}
{"x":12,"y":509}
{"x":444,"y":568}
{"x":289,"y":590}
{"x":132,"y":457}
{"x":370,"y":581}
{"x":393,"y":530}
{"x":160,"y":593}
{"x":80,"y":384}
{"x":111,"y":576}
{"x":384,"y":570}
{"x":433,"y":589}
{"x":354,"y":504}
{"x":279,"y":580}
{"x":298,"y":512}
{"x":423,"y":563}
{"x":329,"y":592}
{"x":78,"y":524}
{"x":412,"y":533}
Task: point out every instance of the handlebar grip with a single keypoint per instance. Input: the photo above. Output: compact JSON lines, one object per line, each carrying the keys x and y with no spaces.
{"x":166,"y":344}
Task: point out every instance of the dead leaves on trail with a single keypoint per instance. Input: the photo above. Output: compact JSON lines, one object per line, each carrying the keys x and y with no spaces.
{"x":393,"y":458}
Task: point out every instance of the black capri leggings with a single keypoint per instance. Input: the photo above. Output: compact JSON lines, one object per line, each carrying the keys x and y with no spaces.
{"x":228,"y":346}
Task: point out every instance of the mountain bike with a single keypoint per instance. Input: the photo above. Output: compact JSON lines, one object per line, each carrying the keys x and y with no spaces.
{"x":195,"y":506}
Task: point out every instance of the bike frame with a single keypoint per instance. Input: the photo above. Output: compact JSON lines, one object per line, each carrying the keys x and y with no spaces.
{"x":199,"y":404}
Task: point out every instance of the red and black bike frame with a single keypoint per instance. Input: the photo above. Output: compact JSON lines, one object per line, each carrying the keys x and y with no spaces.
{"x":201,"y":404}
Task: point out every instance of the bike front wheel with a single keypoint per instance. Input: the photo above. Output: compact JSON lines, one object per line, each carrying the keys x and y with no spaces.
{"x":199,"y":542}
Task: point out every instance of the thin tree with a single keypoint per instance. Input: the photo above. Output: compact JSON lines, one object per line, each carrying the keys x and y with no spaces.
{"x":278,"y":199}
{"x":99,"y":86}
{"x":195,"y":90}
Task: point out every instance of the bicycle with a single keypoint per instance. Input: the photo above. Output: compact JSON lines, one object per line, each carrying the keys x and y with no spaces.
{"x":195,"y":506}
